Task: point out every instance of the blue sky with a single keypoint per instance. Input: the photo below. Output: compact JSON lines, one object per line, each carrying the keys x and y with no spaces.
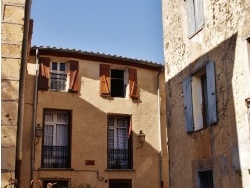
{"x":128,"y":28}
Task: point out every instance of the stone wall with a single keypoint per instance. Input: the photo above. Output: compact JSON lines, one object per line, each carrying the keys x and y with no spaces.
{"x":12,"y":37}
{"x":223,"y":147}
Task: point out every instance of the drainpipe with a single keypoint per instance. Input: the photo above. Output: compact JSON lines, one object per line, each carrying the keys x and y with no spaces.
{"x":21,"y":94}
{"x":159,"y":124}
{"x":34,"y":119}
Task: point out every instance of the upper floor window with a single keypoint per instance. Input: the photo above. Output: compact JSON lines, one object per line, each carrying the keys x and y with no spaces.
{"x":195,"y":16}
{"x":114,"y":82}
{"x":200,"y":107}
{"x":58,"y":76}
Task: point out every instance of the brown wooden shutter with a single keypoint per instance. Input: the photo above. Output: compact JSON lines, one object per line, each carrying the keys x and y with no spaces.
{"x":43,"y":77}
{"x":73,"y":82}
{"x":133,"y":83}
{"x":104,"y":80}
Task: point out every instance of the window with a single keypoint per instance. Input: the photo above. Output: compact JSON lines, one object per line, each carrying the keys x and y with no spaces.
{"x":119,"y":143}
{"x":120,"y":183}
{"x":53,"y":75}
{"x":114,"y":82}
{"x":206,"y":179}
{"x":58,"y":76}
{"x":55,"y":151}
{"x":56,"y":183}
{"x":200,"y":99}
{"x":194,"y":16}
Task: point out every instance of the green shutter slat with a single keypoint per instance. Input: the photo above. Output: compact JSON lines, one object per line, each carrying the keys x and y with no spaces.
{"x":211,"y":93}
{"x":188,"y":106}
{"x":190,"y":17}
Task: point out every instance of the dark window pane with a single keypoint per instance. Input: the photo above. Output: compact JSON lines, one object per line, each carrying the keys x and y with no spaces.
{"x":206,"y":179}
{"x":117,"y":73}
{"x":54,"y":66}
{"x":62,"y":66}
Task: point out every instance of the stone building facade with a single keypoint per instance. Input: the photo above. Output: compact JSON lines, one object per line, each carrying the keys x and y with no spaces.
{"x":207,"y":68}
{"x":14,"y":32}
{"x":91,"y":108}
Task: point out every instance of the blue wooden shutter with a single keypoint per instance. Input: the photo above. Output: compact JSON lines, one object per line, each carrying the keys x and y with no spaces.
{"x":190,"y":17}
{"x":211,"y":93}
{"x":199,"y":16}
{"x":188,"y":104}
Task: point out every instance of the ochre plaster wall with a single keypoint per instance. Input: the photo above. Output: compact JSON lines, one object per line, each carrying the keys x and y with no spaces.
{"x":225,"y":147}
{"x":89,"y":128}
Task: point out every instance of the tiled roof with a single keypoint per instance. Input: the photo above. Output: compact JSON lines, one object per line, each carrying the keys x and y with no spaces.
{"x":92,"y":56}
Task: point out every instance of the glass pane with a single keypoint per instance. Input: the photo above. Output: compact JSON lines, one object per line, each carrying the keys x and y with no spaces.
{"x":111,"y":138}
{"x":61,"y":135}
{"x":111,"y":122}
{"x":121,"y":122}
{"x":62,"y":118}
{"x":48,"y":135}
{"x":62,"y":67}
{"x":48,"y":117}
{"x":54,"y":66}
{"x":121,"y":138}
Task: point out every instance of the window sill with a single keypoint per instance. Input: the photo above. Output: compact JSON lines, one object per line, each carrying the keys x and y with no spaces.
{"x":120,"y":170}
{"x":55,"y":169}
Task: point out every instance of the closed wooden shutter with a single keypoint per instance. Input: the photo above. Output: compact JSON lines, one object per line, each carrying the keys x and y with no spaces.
{"x":199,"y":16}
{"x":211,"y":93}
{"x":133,"y":83}
{"x":188,"y":104}
{"x":104,"y":80}
{"x":190,"y":17}
{"x":44,"y":72}
{"x":74,"y":69}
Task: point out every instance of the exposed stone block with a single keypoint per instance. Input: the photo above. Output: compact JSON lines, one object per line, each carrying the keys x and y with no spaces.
{"x":11,"y":50}
{"x":9,"y":113}
{"x":10,"y":90}
{"x":8,"y":158}
{"x":10,"y":68}
{"x":13,"y":13}
{"x":12,"y":32}
{"x":8,"y":138}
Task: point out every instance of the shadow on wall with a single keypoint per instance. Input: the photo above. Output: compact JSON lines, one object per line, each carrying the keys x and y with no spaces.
{"x":214,"y":147}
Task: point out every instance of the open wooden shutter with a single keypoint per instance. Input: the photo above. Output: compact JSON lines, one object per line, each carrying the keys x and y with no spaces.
{"x":211,"y":93}
{"x":133,"y":83}
{"x":104,"y":80}
{"x":190,"y":18}
{"x":43,"y":77}
{"x":188,"y":104}
{"x":74,"y":69}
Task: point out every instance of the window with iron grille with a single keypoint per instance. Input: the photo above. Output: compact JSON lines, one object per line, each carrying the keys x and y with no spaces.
{"x":56,"y":183}
{"x":58,"y":76}
{"x":206,"y":179}
{"x":119,"y":143}
{"x":55,"y":151}
{"x":120,"y":183}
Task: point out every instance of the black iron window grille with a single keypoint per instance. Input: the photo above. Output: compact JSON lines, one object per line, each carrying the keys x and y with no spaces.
{"x":55,"y":157}
{"x":118,"y":159}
